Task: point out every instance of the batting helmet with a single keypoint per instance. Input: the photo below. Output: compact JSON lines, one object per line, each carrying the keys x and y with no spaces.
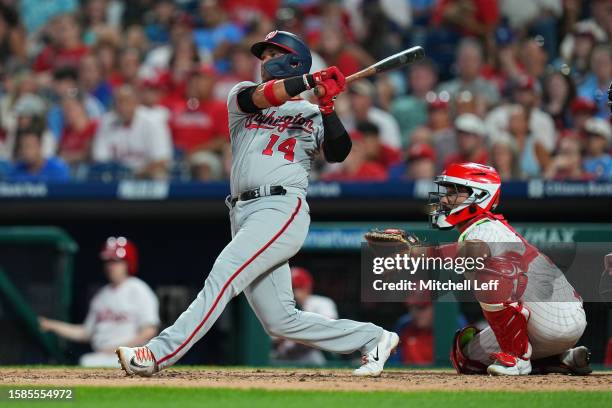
{"x":297,"y":60}
{"x":300,"y":278}
{"x":121,"y":249}
{"x":483,"y":183}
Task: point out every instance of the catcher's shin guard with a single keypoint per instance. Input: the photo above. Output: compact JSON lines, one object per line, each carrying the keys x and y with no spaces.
{"x":509,"y":324}
{"x":460,"y":361}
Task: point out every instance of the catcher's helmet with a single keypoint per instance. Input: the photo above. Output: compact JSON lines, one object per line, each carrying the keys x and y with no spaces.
{"x":121,"y":249}
{"x":296,"y":61}
{"x":483,"y":183}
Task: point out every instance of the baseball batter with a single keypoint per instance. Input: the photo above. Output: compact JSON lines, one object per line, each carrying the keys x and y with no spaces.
{"x":535,"y":315}
{"x":274,"y":136}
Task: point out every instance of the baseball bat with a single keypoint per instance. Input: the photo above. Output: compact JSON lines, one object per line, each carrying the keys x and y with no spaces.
{"x":394,"y":61}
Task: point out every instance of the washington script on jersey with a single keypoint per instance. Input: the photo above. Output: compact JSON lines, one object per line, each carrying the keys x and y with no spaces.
{"x":435,"y":285}
{"x":280,"y":123}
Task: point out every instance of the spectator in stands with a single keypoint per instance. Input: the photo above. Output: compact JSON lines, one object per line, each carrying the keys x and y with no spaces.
{"x":78,"y":132}
{"x":152,"y":94}
{"x":504,"y":157}
{"x":159,"y":58}
{"x":441,"y":125}
{"x":595,"y":85}
{"x":410,"y":110}
{"x":420,"y":164}
{"x":537,"y":18}
{"x":374,"y":149}
{"x":31,"y":165}
{"x":216,"y":34}
{"x":559,"y":92}
{"x":582,"y":109}
{"x":129,"y":65}
{"x":124,"y":311}
{"x":357,"y":167}
{"x":158,"y":22}
{"x":182,"y":62}
{"x":12,"y":37}
{"x":243,"y":68}
{"x":205,"y":166}
{"x":533,"y":58}
{"x":129,"y":135}
{"x":199,"y":122}
{"x":576,"y":50}
{"x":287,"y":351}
{"x":471,"y":135}
{"x":66,"y":48}
{"x":527,"y":94}
{"x":469,"y":65}
{"x":533,"y":157}
{"x":474,"y":18}
{"x":567,"y":163}
{"x":90,"y":80}
{"x":336,"y":50}
{"x":29,"y":111}
{"x":65,"y":84}
{"x":597,"y":161}
{"x":106,"y":50}
{"x":362,"y":109}
{"x":95,"y":20}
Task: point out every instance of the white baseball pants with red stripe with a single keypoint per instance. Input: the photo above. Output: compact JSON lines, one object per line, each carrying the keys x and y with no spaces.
{"x":553,"y":327}
{"x":266,"y":233}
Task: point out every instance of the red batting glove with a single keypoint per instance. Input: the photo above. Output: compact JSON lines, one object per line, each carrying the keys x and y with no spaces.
{"x":329,"y":73}
{"x":331,"y":90}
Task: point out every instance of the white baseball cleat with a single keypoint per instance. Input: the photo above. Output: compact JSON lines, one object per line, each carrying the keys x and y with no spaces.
{"x":507,"y":364}
{"x":374,"y":361}
{"x":577,"y":360}
{"x":137,"y":361}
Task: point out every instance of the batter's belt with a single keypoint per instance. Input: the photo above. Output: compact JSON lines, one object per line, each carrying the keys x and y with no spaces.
{"x":261,"y":191}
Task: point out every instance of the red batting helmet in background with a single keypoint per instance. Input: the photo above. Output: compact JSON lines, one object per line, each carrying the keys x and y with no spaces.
{"x":121,"y":249}
{"x":300,"y":278}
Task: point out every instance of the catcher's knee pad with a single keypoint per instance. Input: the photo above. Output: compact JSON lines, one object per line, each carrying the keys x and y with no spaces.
{"x":509,"y":271}
{"x":509,"y":324}
{"x":460,"y":361}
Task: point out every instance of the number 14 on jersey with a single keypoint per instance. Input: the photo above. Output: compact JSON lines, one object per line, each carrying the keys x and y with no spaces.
{"x":287,"y":147}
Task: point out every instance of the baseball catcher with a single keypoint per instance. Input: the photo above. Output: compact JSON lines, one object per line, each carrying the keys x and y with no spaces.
{"x":535,"y":316}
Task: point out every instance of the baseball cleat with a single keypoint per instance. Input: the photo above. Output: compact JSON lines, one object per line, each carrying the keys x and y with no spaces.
{"x":137,"y":361}
{"x":374,"y":361}
{"x":577,"y":360}
{"x":507,"y":364}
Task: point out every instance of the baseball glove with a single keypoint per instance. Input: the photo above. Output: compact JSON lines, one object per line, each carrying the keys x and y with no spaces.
{"x":393,"y":239}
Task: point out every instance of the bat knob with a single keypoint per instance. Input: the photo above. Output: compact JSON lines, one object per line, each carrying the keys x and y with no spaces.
{"x":319,"y":91}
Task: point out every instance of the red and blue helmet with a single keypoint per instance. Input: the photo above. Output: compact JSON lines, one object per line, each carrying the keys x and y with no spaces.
{"x":297,"y":60}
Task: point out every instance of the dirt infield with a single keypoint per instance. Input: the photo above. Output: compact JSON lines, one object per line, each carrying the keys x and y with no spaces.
{"x":302,"y":379}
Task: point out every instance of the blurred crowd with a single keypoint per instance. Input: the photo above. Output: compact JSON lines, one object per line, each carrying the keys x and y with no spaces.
{"x":107,"y":89}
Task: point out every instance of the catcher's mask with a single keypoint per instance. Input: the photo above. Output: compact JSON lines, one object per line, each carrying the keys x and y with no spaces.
{"x":478,"y":183}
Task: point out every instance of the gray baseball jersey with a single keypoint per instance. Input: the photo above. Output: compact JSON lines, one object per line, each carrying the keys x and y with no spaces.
{"x":275,"y":146}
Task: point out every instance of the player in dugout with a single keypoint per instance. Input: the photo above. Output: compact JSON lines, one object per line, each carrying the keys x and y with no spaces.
{"x":125,"y":311}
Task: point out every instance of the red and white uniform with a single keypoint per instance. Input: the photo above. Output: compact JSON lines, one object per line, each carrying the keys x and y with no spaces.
{"x":116,"y":315}
{"x":557,"y":319}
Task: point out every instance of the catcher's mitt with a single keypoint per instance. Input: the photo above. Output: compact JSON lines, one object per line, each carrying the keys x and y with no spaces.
{"x":391,"y":240}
